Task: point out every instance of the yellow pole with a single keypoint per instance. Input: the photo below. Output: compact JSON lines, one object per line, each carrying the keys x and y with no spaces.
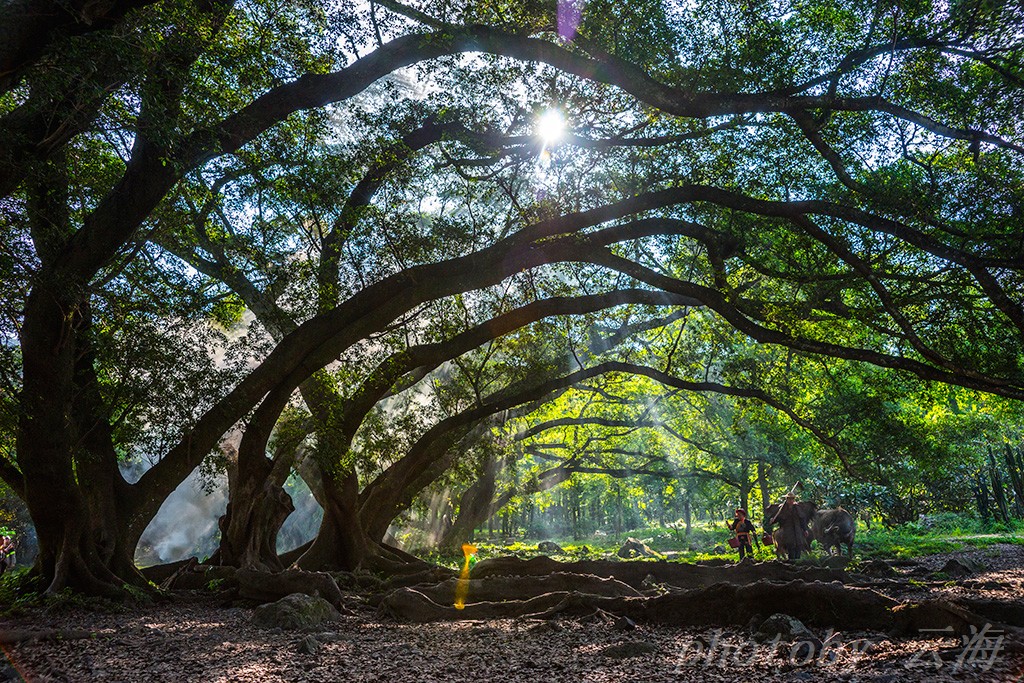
{"x":462,"y":585}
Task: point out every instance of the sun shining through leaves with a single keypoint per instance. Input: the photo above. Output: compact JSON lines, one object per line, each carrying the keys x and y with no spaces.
{"x":462,"y":587}
{"x":550,"y":127}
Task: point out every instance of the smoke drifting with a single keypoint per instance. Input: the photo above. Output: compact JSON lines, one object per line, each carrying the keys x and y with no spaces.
{"x":186,"y":524}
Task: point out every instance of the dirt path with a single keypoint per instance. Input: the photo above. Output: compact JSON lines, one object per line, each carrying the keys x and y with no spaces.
{"x":196,"y":639}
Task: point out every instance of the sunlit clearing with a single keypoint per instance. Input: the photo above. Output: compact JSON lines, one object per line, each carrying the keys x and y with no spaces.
{"x":550,"y":126}
{"x":462,"y":586}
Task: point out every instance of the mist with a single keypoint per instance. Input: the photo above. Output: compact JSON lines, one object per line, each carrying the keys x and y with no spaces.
{"x":186,"y":524}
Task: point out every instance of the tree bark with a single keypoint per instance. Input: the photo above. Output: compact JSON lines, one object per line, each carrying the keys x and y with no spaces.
{"x":719,"y":604}
{"x":258,"y":504}
{"x":744,"y":489}
{"x":70,"y":472}
{"x":103,"y":486}
{"x":341,"y":543}
{"x":250,"y":526}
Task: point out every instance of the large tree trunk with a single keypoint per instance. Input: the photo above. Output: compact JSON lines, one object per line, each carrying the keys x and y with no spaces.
{"x":72,"y":486}
{"x":74,"y":538}
{"x":341,"y":544}
{"x":87,"y":519}
{"x":762,"y":484}
{"x":394,"y":490}
{"x":80,"y":504}
{"x":106,"y":493}
{"x":251,"y":523}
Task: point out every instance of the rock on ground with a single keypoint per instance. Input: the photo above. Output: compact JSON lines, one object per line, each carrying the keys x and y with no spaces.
{"x":782,"y":625}
{"x":635,"y":548}
{"x":295,"y":611}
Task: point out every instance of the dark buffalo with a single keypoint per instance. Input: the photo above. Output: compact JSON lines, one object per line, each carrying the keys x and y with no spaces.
{"x":792,"y":519}
{"x":832,"y":528}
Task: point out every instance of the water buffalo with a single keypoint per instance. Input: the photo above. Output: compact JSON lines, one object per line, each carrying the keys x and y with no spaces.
{"x":793,"y":536}
{"x":832,"y":528}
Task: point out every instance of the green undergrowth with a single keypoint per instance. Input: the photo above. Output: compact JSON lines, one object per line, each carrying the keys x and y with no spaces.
{"x":935,"y":534}
{"x":19,"y":590}
{"x":21,"y":593}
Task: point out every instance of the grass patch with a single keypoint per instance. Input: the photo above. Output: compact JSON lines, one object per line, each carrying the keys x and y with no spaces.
{"x":902,"y":546}
{"x":933,"y":535}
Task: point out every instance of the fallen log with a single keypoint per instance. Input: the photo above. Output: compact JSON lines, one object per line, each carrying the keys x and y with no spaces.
{"x":269,"y":587}
{"x":158,"y":573}
{"x":678,"y":574}
{"x":192,"y":576}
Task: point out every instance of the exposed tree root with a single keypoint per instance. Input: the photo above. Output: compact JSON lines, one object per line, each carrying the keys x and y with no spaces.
{"x":158,"y":573}
{"x":188,"y":574}
{"x":426,"y":576}
{"x":723,"y":604}
{"x":289,"y":557}
{"x":935,"y":616}
{"x":408,"y":604}
{"x":673,"y":573}
{"x":503,"y":588}
{"x":188,"y":566}
{"x":412,"y":563}
{"x":392,"y":561}
{"x":78,"y":566}
{"x":1010,"y":613}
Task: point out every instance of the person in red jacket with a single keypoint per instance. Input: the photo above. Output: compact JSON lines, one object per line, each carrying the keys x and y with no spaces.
{"x":743,"y":528}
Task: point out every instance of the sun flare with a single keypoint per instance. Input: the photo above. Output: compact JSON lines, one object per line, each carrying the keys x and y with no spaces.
{"x":550,"y":126}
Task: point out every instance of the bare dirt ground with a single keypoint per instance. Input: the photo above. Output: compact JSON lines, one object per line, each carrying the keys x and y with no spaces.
{"x":195,"y":638}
